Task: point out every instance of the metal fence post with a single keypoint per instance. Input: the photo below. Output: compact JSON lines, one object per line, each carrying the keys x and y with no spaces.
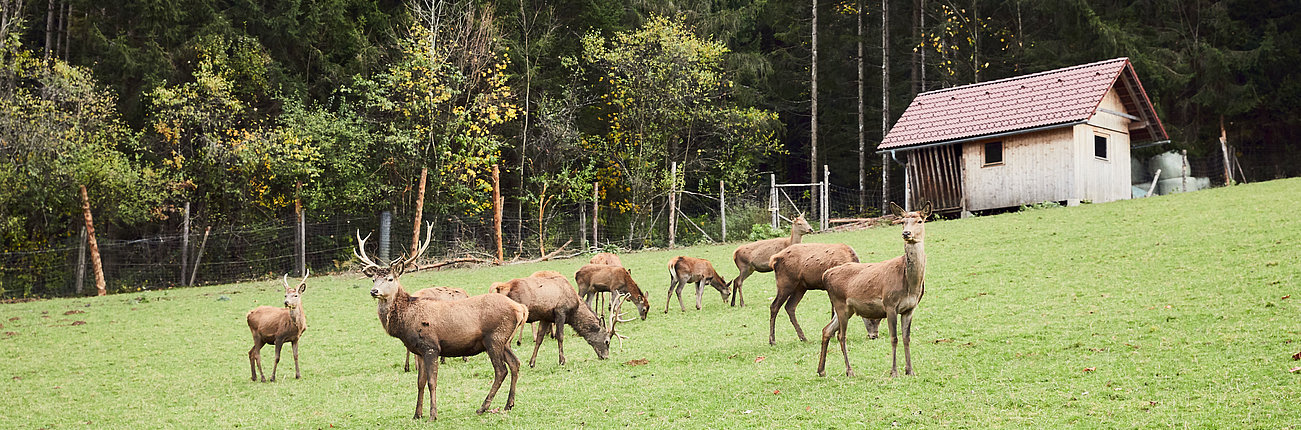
{"x":722,"y":208}
{"x":385,"y":222}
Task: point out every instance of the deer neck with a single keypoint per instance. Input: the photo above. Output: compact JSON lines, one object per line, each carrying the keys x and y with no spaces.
{"x":587,"y":325}
{"x":796,"y":236}
{"x":914,"y":267}
{"x":297,"y":318}
{"x":397,"y":305}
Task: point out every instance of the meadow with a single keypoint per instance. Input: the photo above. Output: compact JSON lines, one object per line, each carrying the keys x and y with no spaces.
{"x":1171,"y":311}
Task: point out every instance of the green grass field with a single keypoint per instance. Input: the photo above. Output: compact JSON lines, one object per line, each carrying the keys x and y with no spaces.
{"x":1177,"y":305}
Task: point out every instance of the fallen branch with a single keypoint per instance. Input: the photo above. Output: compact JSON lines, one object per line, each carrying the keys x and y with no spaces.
{"x":454,"y":261}
{"x":548,"y":256}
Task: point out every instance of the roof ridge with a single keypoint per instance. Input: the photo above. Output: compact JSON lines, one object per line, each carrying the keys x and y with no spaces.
{"x":1014,"y":78}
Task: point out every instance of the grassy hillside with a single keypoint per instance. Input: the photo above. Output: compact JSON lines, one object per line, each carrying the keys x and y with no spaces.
{"x":1166,"y":311}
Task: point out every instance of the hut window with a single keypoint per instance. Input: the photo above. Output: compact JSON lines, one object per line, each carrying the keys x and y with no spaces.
{"x":1100,"y":146}
{"x":993,"y":153}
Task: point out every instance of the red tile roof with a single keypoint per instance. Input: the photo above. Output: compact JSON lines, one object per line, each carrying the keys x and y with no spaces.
{"x":1042,"y":99}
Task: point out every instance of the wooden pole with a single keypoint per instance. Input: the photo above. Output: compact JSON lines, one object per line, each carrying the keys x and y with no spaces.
{"x":496,"y":208}
{"x":1224,"y":149}
{"x":722,"y":208}
{"x":1183,"y":172}
{"x":772,"y":198}
{"x":862,"y":139}
{"x":885,"y":109}
{"x":596,"y":200}
{"x":542,"y":210}
{"x":813,"y":108}
{"x":185,"y":242}
{"x":673,"y":208}
{"x":420,"y":206}
{"x":302,"y":229}
{"x":81,"y":261}
{"x":582,"y":225}
{"x":198,"y":257}
{"x":96,"y":263}
{"x":826,"y":195}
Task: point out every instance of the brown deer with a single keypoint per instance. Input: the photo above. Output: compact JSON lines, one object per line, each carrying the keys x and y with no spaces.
{"x":606,"y":258}
{"x":683,"y":270}
{"x":594,"y":279}
{"x":436,"y":293}
{"x":798,"y":269}
{"x":754,"y":257}
{"x":552,"y":302}
{"x":890,"y":289}
{"x":276,"y":326}
{"x":432,"y":329}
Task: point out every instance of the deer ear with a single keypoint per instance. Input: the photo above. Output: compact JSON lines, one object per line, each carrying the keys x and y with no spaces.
{"x":926,"y":211}
{"x":370,"y":271}
{"x":302,"y":287}
{"x":896,"y":210}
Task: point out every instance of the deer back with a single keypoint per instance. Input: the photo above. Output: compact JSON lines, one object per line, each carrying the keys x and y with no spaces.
{"x":806,"y":262}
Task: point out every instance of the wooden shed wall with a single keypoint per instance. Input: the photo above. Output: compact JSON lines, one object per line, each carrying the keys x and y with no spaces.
{"x":1036,"y":167}
{"x":1103,"y":180}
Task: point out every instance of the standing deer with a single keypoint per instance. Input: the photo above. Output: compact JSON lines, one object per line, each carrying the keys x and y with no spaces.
{"x":754,"y":257}
{"x":432,"y":329}
{"x":276,"y":326}
{"x":436,"y":293}
{"x":890,"y":289}
{"x":683,"y":270}
{"x":594,"y":279}
{"x":553,"y":303}
{"x":799,"y":269}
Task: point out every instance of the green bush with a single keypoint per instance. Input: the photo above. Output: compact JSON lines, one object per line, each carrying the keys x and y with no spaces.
{"x":765,"y":231}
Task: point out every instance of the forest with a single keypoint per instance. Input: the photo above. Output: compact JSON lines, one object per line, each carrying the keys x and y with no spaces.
{"x":245,"y":108}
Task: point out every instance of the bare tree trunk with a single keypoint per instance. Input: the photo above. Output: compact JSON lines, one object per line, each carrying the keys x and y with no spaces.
{"x":185,"y":242}
{"x":1224,"y":149}
{"x":524,"y":133}
{"x":813,"y":104}
{"x":81,"y":261}
{"x":596,"y":201}
{"x":975,"y":42}
{"x":49,"y":28}
{"x":885,"y":101}
{"x":100,"y":285}
{"x":198,"y":256}
{"x":919,"y":48}
{"x":673,"y":214}
{"x":862,"y":142}
{"x":542,"y":231}
{"x":420,"y":209}
{"x":496,"y":210}
{"x":67,"y":23}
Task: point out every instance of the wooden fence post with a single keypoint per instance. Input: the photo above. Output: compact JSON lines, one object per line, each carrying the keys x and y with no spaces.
{"x":301,"y":229}
{"x":496,"y":208}
{"x":673,"y":208}
{"x":1224,"y":149}
{"x":772,"y":198}
{"x":826,"y":196}
{"x":81,"y":261}
{"x":596,"y":200}
{"x":198,"y":257}
{"x":420,"y":208}
{"x":96,"y":263}
{"x":722,"y":208}
{"x":185,"y":243}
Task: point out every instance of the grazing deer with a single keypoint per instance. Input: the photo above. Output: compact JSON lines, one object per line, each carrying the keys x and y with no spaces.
{"x":754,"y":257}
{"x":432,"y":329}
{"x":276,"y":326}
{"x":798,"y":269}
{"x":436,"y":293}
{"x":594,"y":279}
{"x":552,"y":302}
{"x":683,"y":270}
{"x":606,"y":258}
{"x":890,"y":289}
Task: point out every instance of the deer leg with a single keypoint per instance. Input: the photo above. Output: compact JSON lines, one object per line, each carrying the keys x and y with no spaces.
{"x":777,"y":303}
{"x":736,"y":287}
{"x":279,"y":343}
{"x":512,"y":363}
{"x":559,"y":325}
{"x":682,"y":284}
{"x":700,"y":292}
{"x":407,"y":367}
{"x":892,"y":319}
{"x":498,"y":357}
{"x":538,"y":336}
{"x":873,"y":327}
{"x":431,"y":381}
{"x":790,"y":311}
{"x":906,"y":325}
{"x":299,"y":375}
{"x":255,"y":359}
{"x":672,"y":283}
{"x":843,"y":327}
{"x":827,"y":332}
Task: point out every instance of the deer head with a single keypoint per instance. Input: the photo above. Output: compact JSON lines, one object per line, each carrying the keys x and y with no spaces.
{"x":385,"y":277}
{"x":913,"y":229}
{"x":293,"y":296}
{"x":801,"y":225}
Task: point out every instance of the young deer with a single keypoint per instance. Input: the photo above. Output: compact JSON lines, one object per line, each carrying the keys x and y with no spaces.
{"x":553,"y":303}
{"x":276,"y":326}
{"x":432,"y":329}
{"x":754,"y":257}
{"x":890,"y":289}
{"x":606,"y":258}
{"x":798,"y":269}
{"x":684,"y":270}
{"x":594,"y":279}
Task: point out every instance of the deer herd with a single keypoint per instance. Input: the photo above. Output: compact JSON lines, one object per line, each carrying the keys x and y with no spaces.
{"x":437,"y":322}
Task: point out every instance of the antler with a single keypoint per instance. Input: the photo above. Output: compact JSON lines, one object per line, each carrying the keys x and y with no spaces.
{"x":285,"y":281}
{"x":429,"y":230}
{"x":306,"y":271}
{"x":361,"y":246}
{"x":615,"y":315}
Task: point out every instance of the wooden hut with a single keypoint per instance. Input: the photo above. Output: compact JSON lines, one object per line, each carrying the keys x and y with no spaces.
{"x":1059,"y":136}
